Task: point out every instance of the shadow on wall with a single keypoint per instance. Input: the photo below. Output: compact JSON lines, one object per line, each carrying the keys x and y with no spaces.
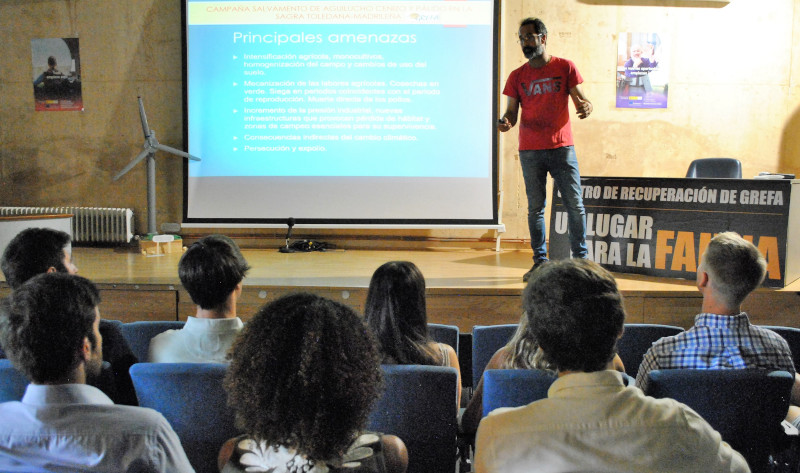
{"x":31,"y":177}
{"x":12,"y":175}
{"x":153,"y":70}
{"x":69,"y":158}
{"x":789,"y":159}
{"x":617,"y":148}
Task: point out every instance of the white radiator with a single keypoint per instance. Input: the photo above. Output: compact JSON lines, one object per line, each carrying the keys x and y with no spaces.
{"x":89,"y":224}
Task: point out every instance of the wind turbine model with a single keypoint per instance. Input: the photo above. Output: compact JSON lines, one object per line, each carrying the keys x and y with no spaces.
{"x":151,"y":145}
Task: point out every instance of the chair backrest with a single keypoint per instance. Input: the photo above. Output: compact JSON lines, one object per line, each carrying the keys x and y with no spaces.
{"x":465,"y":358}
{"x":792,"y":337}
{"x":138,"y":334}
{"x":715,"y":167}
{"x":514,"y":388}
{"x":12,"y":382}
{"x":487,"y":339}
{"x":745,"y":406}
{"x":637,"y":339}
{"x":192,"y":399}
{"x":447,"y":334}
{"x":419,"y":406}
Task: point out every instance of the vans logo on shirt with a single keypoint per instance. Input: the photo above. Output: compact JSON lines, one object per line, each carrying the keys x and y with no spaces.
{"x":542,"y":86}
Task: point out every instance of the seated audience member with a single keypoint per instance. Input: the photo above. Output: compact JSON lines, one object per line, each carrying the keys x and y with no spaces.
{"x":44,"y":250}
{"x":304,"y":375}
{"x":396,"y":313}
{"x":722,"y":336}
{"x":50,"y":330}
{"x":520,"y":353}
{"x":211,"y":270}
{"x":590,"y":420}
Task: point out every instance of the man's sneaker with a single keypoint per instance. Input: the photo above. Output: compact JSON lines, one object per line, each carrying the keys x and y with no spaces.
{"x":536,"y":266}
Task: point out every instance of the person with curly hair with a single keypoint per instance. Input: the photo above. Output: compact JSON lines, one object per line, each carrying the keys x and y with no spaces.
{"x":304,"y":375}
{"x":396,"y":313}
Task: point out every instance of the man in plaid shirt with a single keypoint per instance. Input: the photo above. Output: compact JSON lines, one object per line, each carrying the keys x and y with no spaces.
{"x":722,"y":336}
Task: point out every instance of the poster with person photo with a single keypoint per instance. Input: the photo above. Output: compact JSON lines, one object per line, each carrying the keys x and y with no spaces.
{"x":642,"y":72}
{"x":56,"y":74}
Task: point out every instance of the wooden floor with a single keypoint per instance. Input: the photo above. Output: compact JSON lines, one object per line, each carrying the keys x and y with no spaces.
{"x":465,"y":287}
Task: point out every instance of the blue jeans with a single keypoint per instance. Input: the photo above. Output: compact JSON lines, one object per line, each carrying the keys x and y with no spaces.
{"x":562,"y":164}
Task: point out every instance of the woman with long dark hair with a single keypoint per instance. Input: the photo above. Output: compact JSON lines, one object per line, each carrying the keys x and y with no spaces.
{"x":396,"y":313}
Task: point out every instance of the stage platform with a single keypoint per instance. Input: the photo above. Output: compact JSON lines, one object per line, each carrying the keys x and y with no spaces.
{"x":465,"y":287}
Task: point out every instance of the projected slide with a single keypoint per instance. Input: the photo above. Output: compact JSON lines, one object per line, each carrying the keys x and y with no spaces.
{"x":341,"y":111}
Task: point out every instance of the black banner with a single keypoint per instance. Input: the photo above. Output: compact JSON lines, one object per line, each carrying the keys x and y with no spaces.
{"x":661,"y":226}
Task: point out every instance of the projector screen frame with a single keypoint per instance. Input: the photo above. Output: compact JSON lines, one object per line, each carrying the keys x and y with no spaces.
{"x":358,"y":223}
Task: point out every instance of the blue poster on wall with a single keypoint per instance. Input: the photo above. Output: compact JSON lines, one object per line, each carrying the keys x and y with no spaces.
{"x":642,"y":72}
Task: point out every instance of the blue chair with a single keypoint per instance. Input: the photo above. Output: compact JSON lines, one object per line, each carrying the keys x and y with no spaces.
{"x":745,"y":406}
{"x":12,"y":382}
{"x":419,"y":406}
{"x":514,"y":388}
{"x":138,"y":334}
{"x":447,"y":334}
{"x":637,"y":339}
{"x":487,"y":339}
{"x":192,"y":399}
{"x":792,"y":337}
{"x":727,"y":168}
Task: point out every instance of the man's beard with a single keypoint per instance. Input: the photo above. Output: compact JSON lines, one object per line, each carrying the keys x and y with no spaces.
{"x":532,"y":52}
{"x":94,"y":365}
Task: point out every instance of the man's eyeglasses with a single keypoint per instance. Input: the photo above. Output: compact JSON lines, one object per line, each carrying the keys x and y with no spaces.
{"x":529,"y":37}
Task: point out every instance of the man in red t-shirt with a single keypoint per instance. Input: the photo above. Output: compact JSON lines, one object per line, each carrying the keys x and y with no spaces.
{"x":542,"y":87}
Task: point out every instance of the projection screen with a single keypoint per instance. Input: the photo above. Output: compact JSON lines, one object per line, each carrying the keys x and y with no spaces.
{"x":341,"y":111}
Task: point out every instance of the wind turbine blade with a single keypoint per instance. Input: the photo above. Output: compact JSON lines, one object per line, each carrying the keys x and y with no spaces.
{"x":178,"y":152}
{"x":133,"y":163}
{"x":145,"y":126}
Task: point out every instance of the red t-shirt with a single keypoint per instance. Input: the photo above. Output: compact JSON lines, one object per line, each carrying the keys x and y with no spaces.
{"x":543,"y":95}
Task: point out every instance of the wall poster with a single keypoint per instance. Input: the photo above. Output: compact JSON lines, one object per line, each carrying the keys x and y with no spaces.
{"x":56,"y":74}
{"x":642,"y":70}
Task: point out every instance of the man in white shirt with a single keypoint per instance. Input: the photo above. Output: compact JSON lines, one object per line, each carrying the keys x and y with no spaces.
{"x":590,"y":421}
{"x":50,"y":330}
{"x":211,"y":270}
